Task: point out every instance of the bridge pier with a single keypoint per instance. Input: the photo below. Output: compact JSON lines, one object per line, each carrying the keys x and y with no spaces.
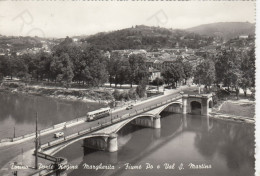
{"x":204,"y":105}
{"x":157,"y":121}
{"x":184,"y":103}
{"x":112,"y":145}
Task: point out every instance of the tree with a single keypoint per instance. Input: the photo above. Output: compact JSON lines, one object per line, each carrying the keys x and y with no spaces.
{"x":62,"y":69}
{"x":173,"y":74}
{"x":123,"y":75}
{"x":188,"y":70}
{"x":157,"y":82}
{"x":205,"y":73}
{"x":43,"y":62}
{"x":95,"y":71}
{"x":114,"y":67}
{"x":141,"y":88}
{"x":138,"y":71}
{"x":227,"y":65}
{"x":116,"y":94}
{"x":132,"y":94}
{"x":8,"y":66}
{"x":236,"y":69}
{"x":247,"y":70}
{"x":98,"y":73}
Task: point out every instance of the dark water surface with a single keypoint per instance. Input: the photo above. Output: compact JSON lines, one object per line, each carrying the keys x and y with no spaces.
{"x":226,"y":147}
{"x":19,"y":111}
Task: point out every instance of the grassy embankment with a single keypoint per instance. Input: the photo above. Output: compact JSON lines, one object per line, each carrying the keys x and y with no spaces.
{"x":81,"y":94}
{"x":229,"y":104}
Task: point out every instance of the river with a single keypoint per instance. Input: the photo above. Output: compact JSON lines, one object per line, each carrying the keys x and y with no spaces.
{"x":184,"y":141}
{"x":18,"y":111}
{"x":220,"y":147}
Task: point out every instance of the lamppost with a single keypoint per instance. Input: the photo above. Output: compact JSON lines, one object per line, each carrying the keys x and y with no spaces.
{"x":199,"y":85}
{"x":36,"y":142}
{"x":14,"y":131}
{"x":111,"y":117}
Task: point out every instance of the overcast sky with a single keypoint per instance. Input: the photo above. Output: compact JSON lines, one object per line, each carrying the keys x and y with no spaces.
{"x":68,"y":18}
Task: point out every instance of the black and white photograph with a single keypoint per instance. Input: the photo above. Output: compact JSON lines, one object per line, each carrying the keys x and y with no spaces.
{"x":128,"y":88}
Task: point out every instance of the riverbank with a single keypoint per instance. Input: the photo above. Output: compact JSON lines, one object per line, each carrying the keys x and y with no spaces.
{"x":235,"y":109}
{"x":100,"y":95}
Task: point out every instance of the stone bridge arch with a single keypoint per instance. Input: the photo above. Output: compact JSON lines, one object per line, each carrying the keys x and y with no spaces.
{"x":195,"y":107}
{"x":96,"y":137}
{"x":175,"y":107}
{"x":146,"y":120}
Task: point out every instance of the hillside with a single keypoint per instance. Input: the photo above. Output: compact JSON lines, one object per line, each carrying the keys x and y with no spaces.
{"x":226,"y":30}
{"x":145,"y":37}
{"x":19,"y":43}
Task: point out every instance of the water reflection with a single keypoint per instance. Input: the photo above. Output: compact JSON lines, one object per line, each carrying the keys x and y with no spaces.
{"x":19,"y":111}
{"x":227,"y":146}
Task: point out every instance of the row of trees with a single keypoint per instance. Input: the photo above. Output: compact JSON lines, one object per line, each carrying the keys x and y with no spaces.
{"x":234,"y":69}
{"x":69,"y":62}
{"x":85,"y":64}
{"x":177,"y":72}
{"x":56,"y":67}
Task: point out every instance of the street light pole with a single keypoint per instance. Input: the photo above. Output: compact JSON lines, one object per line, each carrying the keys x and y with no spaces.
{"x":199,"y":85}
{"x":111,"y":117}
{"x":36,"y":142}
{"x":14,"y":131}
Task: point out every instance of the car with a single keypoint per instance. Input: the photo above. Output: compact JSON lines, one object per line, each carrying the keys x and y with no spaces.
{"x":129,"y":107}
{"x":58,"y":134}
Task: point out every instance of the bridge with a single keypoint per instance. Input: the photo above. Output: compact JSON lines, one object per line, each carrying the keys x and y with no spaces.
{"x":104,"y":135}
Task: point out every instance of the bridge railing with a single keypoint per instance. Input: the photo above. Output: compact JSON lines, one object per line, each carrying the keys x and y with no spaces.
{"x":135,"y":101}
{"x":107,"y":123}
{"x":56,"y":126}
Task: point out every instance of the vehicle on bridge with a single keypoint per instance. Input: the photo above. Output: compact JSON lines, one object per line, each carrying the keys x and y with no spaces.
{"x":100,"y":113}
{"x":58,"y":134}
{"x":129,"y":107}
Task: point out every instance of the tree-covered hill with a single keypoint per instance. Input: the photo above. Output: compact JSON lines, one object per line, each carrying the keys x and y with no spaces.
{"x":19,"y":43}
{"x":145,"y":37}
{"x":226,"y":30}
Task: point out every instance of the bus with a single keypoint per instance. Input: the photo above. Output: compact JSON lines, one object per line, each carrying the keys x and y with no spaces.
{"x":97,"y":114}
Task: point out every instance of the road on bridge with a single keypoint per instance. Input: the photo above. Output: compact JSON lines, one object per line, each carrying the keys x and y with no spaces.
{"x":7,"y":153}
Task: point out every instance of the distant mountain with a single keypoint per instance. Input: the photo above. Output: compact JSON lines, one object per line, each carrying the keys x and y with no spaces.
{"x":226,"y":30}
{"x":146,"y":37}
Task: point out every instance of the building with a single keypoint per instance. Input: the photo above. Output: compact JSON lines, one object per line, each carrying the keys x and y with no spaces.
{"x":153,"y":74}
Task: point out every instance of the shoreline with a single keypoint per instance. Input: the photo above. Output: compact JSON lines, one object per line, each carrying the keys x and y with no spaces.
{"x":80,"y":95}
{"x":235,"y":110}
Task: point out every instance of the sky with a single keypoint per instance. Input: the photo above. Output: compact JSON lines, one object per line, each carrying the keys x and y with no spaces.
{"x":72,"y":18}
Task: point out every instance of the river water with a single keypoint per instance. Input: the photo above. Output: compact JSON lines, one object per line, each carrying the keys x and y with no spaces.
{"x":19,"y":111}
{"x":220,"y":147}
{"x":184,"y":141}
